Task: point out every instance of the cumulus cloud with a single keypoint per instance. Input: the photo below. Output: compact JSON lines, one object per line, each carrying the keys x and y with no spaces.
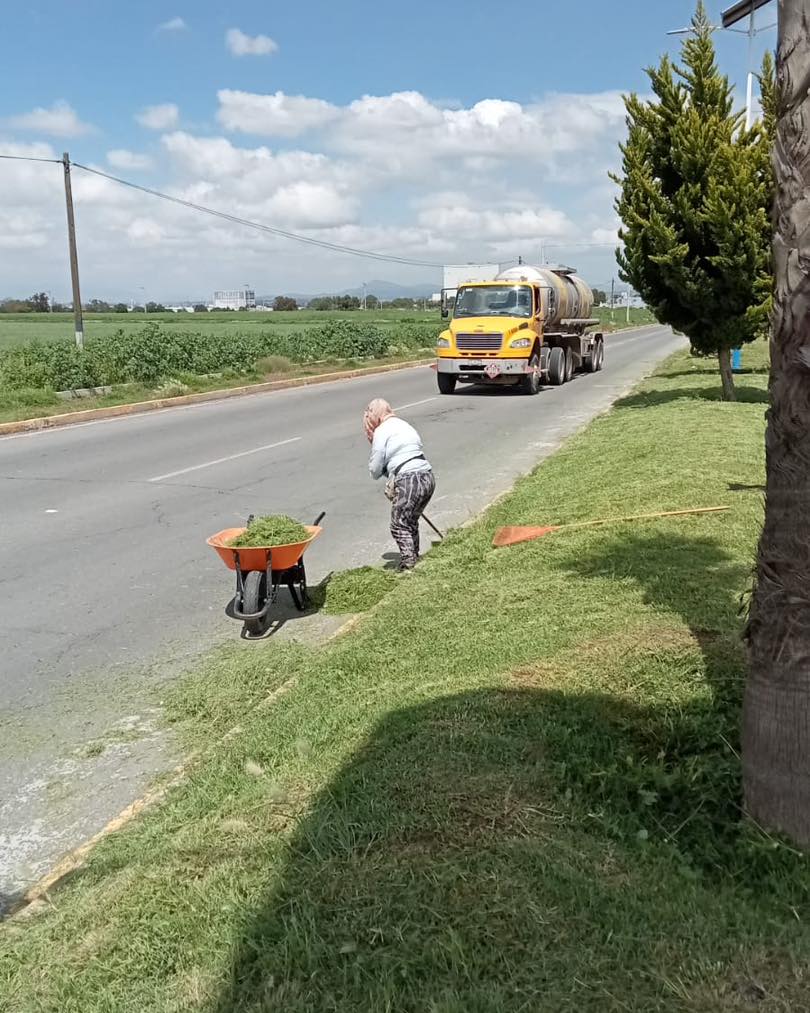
{"x":61,"y":120}
{"x":406,"y":135}
{"x":249,"y":45}
{"x":277,"y":115}
{"x":398,"y":174}
{"x":173,"y":25}
{"x":159,"y":117}
{"x":120,"y":158}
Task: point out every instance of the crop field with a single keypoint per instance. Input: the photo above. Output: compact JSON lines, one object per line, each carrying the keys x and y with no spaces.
{"x":17,"y":328}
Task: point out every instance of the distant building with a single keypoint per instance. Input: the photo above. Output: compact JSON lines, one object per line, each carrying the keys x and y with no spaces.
{"x":236,"y":299}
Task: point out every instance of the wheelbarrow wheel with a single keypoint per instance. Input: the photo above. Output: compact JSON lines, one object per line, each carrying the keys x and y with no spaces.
{"x":254,"y":600}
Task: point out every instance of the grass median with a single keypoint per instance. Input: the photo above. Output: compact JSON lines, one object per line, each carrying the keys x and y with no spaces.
{"x":515,"y":786}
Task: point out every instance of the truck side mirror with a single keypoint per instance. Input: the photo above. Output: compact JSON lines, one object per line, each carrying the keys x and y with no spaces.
{"x":445,"y":312}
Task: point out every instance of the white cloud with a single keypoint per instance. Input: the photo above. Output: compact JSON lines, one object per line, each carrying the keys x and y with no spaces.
{"x":249,"y":45}
{"x":398,"y":174}
{"x":497,"y":224}
{"x":277,"y":115}
{"x":310,"y":206}
{"x":159,"y":117}
{"x":406,"y":135}
{"x":120,"y":158}
{"x":61,"y":120}
{"x":173,"y":25}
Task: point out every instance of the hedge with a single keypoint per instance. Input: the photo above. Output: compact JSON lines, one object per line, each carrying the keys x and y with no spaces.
{"x":153,"y":353}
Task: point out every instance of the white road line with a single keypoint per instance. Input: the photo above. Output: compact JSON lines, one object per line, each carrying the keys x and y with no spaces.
{"x":413,"y":404}
{"x":222,"y":460}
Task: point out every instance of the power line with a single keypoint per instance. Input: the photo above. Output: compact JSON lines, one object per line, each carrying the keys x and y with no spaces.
{"x":294,"y":236}
{"x":567,"y":246}
{"x":323,"y":244}
{"x":30,"y":158}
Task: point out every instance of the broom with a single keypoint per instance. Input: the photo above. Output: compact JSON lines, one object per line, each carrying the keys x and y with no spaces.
{"x":514,"y":534}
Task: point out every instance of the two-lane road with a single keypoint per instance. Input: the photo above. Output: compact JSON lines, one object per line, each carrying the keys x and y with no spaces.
{"x":103,"y":559}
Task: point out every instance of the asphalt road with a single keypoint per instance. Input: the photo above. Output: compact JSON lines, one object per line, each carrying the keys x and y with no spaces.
{"x":103,"y":559}
{"x":107,"y":582}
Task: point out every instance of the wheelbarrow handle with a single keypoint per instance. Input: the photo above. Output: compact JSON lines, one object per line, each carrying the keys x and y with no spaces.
{"x":319,"y":518}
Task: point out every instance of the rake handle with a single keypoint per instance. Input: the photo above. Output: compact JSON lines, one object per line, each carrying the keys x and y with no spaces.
{"x":644,"y":517}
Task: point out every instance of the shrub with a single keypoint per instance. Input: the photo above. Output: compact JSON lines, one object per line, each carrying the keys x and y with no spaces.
{"x":154,"y":353}
{"x":273,"y":364}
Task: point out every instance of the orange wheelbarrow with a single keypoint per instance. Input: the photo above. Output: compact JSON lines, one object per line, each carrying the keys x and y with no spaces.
{"x":260,"y":571}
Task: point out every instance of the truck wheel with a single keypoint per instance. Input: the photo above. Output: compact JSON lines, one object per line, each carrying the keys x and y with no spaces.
{"x":569,"y":364}
{"x":447,"y":382}
{"x":592,"y":361}
{"x":600,"y":360}
{"x":556,"y":367}
{"x":530,"y":382}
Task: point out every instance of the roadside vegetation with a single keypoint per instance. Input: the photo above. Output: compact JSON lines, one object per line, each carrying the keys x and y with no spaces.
{"x":514,"y":786}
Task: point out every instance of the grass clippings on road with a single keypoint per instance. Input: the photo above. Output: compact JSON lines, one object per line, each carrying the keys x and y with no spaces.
{"x":514,"y":787}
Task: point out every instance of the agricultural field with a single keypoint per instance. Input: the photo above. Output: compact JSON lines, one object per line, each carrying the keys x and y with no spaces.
{"x":16,"y":328}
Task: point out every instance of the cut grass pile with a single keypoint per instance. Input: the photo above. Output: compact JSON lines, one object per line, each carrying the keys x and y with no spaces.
{"x":514,"y":787}
{"x":273,"y":529}
{"x":354,"y":591}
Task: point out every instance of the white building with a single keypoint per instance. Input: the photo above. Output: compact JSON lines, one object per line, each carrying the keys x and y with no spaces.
{"x":235,"y":299}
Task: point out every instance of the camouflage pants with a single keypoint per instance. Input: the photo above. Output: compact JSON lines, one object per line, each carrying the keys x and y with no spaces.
{"x":412,"y":493}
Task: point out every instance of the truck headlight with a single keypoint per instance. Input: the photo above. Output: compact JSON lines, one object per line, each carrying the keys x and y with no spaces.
{"x":442,"y":343}
{"x":520,"y":342}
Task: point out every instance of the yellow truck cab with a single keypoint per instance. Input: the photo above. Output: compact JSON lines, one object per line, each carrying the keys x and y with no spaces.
{"x":528,"y":326}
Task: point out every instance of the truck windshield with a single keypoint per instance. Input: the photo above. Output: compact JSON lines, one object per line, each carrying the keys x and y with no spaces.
{"x":494,"y":301}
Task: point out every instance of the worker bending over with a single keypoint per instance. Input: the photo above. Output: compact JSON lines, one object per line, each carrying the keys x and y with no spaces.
{"x":396,"y":453}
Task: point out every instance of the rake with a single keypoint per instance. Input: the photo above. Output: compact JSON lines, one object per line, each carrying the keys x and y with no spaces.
{"x":514,"y":534}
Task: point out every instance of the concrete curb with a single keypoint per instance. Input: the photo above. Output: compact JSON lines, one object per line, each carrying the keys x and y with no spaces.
{"x":117,"y":411}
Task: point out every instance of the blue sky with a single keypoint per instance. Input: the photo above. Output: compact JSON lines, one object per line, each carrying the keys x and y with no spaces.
{"x":440,"y":132}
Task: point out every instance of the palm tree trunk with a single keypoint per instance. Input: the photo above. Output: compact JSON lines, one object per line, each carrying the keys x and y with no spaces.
{"x":776,"y":712}
{"x":726,"y":374}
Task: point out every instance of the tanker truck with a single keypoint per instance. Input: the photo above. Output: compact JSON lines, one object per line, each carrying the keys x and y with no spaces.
{"x":528,"y":326}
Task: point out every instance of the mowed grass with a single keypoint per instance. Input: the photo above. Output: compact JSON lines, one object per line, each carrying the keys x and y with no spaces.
{"x":514,"y":787}
{"x":23,"y":327}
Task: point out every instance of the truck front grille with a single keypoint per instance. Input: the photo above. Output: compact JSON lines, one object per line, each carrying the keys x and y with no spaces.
{"x":479,"y":342}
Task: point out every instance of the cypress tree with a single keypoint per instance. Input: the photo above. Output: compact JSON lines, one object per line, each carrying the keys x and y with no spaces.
{"x":696,"y":189}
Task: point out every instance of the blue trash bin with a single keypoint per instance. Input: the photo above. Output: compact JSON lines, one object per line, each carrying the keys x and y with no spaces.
{"x":736,"y":359}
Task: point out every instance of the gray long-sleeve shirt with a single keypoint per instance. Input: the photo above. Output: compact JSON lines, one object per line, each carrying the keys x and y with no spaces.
{"x":395,"y":442}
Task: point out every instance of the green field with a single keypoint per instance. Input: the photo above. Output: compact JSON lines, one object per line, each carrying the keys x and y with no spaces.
{"x":22,"y":327}
{"x":17,"y":327}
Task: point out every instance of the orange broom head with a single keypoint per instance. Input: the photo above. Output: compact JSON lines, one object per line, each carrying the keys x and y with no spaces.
{"x":513,"y":535}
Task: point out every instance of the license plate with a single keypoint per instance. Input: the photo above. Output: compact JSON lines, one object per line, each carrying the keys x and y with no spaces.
{"x":493,"y":370}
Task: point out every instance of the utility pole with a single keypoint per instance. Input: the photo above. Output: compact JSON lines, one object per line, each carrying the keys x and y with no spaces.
{"x":612,"y":287}
{"x":78,"y":324}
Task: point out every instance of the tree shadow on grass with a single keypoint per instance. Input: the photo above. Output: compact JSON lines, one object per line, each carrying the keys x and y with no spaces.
{"x":531,"y":848}
{"x":693,"y":578}
{"x":648,"y":399}
{"x":448,"y":868}
{"x":712,"y":371}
